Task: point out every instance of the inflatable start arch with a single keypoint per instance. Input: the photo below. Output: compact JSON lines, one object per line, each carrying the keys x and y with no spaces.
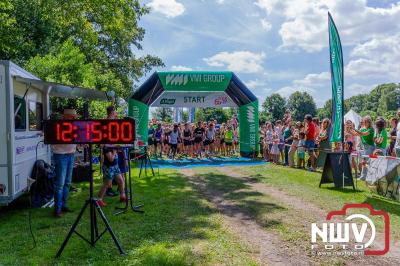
{"x":198,"y":89}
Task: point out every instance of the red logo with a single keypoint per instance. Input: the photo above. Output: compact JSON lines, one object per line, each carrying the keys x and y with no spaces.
{"x":350,"y":228}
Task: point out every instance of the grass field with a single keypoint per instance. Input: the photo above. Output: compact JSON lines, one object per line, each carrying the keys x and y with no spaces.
{"x":181,"y":226}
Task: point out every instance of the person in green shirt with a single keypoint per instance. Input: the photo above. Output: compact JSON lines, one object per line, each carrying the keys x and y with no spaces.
{"x":228,"y":139}
{"x":367,"y":135}
{"x":380,"y":137}
{"x":367,"y":139}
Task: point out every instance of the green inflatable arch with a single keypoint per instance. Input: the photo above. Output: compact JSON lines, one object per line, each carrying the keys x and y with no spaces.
{"x":198,"y":89}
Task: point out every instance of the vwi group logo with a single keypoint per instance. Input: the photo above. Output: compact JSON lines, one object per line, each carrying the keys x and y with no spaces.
{"x":351,"y":231}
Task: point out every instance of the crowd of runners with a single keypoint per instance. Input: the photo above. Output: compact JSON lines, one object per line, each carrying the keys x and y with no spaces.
{"x":197,"y":140}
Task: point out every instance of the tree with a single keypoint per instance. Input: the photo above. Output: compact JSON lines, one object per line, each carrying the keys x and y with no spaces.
{"x":163,"y":114}
{"x":356,"y":103}
{"x":274,"y":106}
{"x":215,"y":113}
{"x":326,"y":111}
{"x":210,"y":113}
{"x":106,"y":32}
{"x":300,"y":104}
{"x":185,"y":116}
{"x":199,"y":115}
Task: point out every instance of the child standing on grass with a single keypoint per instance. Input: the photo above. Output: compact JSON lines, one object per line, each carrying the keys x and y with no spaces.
{"x":293,"y":148}
{"x":275,"y":148}
{"x":110,"y":171}
{"x":301,"y":154}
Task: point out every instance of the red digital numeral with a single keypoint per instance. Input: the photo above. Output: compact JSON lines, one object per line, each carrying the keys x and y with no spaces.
{"x":87,"y":132}
{"x":96,"y":133}
{"x":66,"y":130}
{"x":58,"y":132}
{"x":126,"y":131}
{"x":113,"y":131}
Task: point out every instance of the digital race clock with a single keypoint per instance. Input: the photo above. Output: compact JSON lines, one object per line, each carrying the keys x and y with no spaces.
{"x":94,"y":131}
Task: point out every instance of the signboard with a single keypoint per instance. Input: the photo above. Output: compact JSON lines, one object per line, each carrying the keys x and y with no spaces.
{"x":194,"y":99}
{"x":95,"y":131}
{"x":195,"y":81}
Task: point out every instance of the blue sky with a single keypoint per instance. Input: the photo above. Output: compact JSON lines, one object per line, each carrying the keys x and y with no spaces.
{"x":278,"y":45}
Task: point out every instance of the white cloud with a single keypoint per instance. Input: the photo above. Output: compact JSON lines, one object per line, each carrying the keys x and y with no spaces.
{"x":288,"y":90}
{"x":255,"y":83}
{"x":238,"y":61}
{"x":220,"y":2}
{"x":317,"y":85}
{"x":181,"y":68}
{"x":313,"y":80}
{"x":269,"y":5}
{"x":169,"y":8}
{"x":265,"y":24}
{"x":377,"y":58}
{"x":305,"y":24}
{"x":356,"y":88}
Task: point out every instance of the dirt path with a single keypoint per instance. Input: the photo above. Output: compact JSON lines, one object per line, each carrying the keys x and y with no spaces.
{"x":268,"y":248}
{"x":392,"y":258}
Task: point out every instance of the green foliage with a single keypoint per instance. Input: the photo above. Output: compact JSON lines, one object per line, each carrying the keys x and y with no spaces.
{"x":219,"y":114}
{"x":263,"y":117}
{"x":274,"y":107}
{"x":207,"y":114}
{"x":199,"y":115}
{"x":185,"y":116}
{"x":164,"y":114}
{"x":383,"y":100}
{"x":356,"y":103}
{"x":300,"y":104}
{"x":106,"y":33}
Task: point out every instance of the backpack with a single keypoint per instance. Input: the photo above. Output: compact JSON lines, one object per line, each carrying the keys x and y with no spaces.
{"x":42,"y":191}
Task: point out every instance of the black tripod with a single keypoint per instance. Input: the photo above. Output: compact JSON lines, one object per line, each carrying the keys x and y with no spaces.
{"x":94,"y":206}
{"x":144,"y":161}
{"x":130,"y":195}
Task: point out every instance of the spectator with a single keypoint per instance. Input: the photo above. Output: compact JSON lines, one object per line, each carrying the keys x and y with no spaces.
{"x":367,"y":135}
{"x":310,"y":130}
{"x":380,"y":137}
{"x":288,"y":139}
{"x":393,"y":136}
{"x":301,"y":151}
{"x":293,"y":148}
{"x":323,"y":142}
{"x":63,"y":155}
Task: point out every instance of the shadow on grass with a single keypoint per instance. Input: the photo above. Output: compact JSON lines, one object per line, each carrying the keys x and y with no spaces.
{"x":174,"y":216}
{"x":248,"y":204}
{"x":383,"y":204}
{"x":348,"y":190}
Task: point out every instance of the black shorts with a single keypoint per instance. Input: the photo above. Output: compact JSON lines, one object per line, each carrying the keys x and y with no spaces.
{"x":150,"y":141}
{"x":208,"y":142}
{"x":187,"y":142}
{"x":222,"y":141}
{"x":198,"y":140}
{"x":228,"y":143}
{"x":155,"y":142}
{"x":173,"y":146}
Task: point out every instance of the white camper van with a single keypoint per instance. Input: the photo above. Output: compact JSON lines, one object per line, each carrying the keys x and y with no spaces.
{"x":24,"y":103}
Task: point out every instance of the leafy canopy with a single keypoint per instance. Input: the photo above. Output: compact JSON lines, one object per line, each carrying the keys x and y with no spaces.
{"x":104,"y":36}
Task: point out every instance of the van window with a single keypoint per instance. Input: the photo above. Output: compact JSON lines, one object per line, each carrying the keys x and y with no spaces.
{"x":19,"y":113}
{"x":35,"y":116}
